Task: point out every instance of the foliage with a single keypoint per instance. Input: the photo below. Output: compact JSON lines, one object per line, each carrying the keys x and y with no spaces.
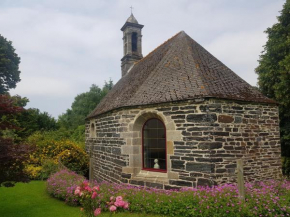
{"x":71,"y":154}
{"x":8,"y":110}
{"x":78,"y":135}
{"x":33,"y":172}
{"x":269,"y":198}
{"x":286,"y":166}
{"x":27,"y":121}
{"x":42,"y":137}
{"x":36,"y":172}
{"x":273,"y":72}
{"x":32,"y":120}
{"x":48,"y":167}
{"x":12,"y":156}
{"x":83,"y":104}
{"x":62,"y":184}
{"x":9,"y":66}
{"x":12,"y":161}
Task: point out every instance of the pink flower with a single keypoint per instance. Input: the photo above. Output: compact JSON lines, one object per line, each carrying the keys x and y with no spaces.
{"x":119,"y":198}
{"x":113,"y":208}
{"x":119,"y":203}
{"x":86,"y":183}
{"x":97,"y":212}
{"x":96,"y":188}
{"x":94,"y":195}
{"x":77,"y":191}
{"x":112,"y":198}
{"x":126,"y":205}
{"x":87,"y":188}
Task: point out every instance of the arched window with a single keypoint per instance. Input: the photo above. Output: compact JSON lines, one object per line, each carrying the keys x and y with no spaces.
{"x":154,"y":145}
{"x":92,"y":130}
{"x":134,"y":41}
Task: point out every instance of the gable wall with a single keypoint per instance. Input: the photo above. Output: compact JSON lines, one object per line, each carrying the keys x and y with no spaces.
{"x":204,"y":140}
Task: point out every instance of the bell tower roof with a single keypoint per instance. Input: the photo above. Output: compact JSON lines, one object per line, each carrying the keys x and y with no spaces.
{"x":132,"y":19}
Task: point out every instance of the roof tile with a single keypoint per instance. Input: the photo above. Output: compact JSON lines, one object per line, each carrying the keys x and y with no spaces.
{"x":179,"y":69}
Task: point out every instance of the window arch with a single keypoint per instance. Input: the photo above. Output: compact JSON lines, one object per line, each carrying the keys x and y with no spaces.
{"x":154,"y":145}
{"x":92,"y":130}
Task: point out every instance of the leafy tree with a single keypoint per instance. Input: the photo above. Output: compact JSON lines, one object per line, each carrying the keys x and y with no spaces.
{"x":28,"y":121}
{"x":32,"y":120}
{"x":9,"y":66}
{"x":274,"y":72}
{"x":83,"y":104}
{"x":12,"y":156}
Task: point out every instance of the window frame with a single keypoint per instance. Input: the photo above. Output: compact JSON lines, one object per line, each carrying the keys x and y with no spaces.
{"x":152,"y":169}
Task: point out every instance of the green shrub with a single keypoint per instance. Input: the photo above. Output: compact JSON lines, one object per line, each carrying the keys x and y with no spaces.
{"x":48,"y":167}
{"x":77,"y":136}
{"x":286,"y":166}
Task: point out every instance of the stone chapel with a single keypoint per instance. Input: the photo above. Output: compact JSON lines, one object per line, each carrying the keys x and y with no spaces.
{"x":179,"y":117}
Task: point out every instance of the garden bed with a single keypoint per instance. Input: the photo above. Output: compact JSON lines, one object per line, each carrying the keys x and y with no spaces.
{"x":269,"y":198}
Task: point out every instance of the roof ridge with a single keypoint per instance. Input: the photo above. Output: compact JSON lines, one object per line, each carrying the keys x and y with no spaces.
{"x":189,"y":41}
{"x":159,"y":47}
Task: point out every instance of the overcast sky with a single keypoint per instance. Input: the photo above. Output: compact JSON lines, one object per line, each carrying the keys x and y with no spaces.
{"x":67,"y":45}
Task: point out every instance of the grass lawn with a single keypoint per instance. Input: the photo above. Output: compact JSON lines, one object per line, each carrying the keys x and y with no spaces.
{"x":31,"y":200}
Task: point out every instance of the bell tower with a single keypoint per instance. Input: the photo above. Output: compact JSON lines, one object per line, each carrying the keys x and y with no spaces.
{"x":132,"y":43}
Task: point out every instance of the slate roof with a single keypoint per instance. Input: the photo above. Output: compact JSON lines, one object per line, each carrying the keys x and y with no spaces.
{"x":179,"y":69}
{"x":132,"y":19}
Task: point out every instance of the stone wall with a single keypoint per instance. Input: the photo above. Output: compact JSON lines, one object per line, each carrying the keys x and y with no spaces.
{"x":205,"y":137}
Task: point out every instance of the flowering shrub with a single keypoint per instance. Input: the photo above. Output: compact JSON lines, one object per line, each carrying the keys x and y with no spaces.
{"x":62,"y":185}
{"x":70,"y":153}
{"x":93,"y":202}
{"x":33,"y":172}
{"x":271,"y":198}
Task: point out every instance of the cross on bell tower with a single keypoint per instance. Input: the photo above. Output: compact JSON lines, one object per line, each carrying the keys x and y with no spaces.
{"x":131,"y":9}
{"x":132,"y":43}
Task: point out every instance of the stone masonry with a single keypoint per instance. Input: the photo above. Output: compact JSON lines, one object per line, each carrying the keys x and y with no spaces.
{"x":205,"y":137}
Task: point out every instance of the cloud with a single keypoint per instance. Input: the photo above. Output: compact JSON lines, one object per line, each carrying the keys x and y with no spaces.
{"x":41,"y":86}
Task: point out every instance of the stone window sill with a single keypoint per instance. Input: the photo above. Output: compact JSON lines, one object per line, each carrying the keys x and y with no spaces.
{"x":149,"y":176}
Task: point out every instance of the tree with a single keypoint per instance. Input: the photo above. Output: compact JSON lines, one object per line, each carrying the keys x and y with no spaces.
{"x":32,"y":120}
{"x":28,"y":120}
{"x":83,"y":104}
{"x":274,"y":72}
{"x":12,"y":155}
{"x":9,"y":66}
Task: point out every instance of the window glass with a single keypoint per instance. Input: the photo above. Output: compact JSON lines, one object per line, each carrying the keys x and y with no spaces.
{"x":154,"y":145}
{"x":134,"y":41}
